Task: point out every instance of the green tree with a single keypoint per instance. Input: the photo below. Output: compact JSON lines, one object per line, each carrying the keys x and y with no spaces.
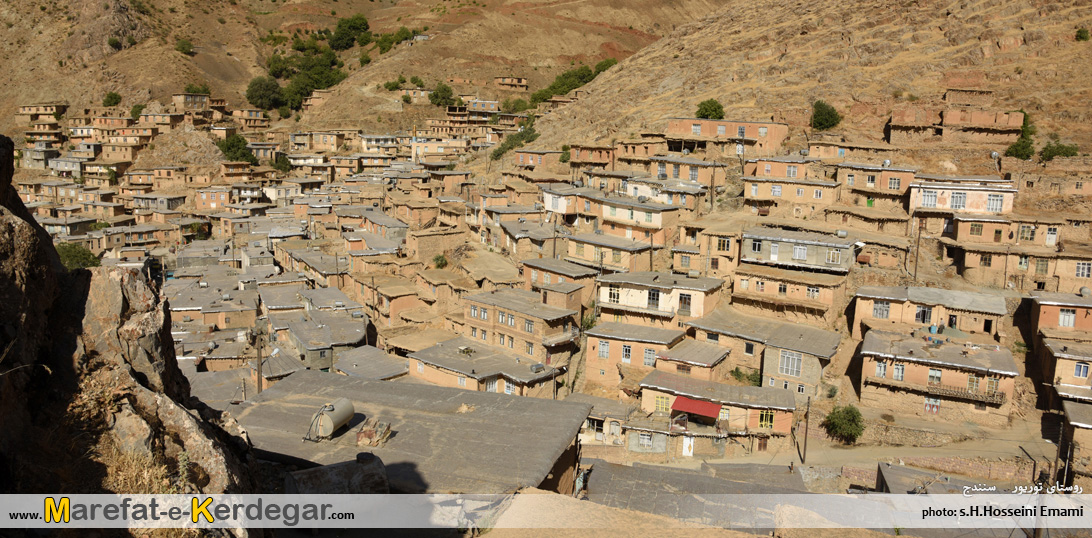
{"x":365,"y":59}
{"x":234,"y":149}
{"x":184,"y":46}
{"x":406,"y":98}
{"x":111,"y":99}
{"x":566,"y":154}
{"x":710,"y":109}
{"x":349,"y":31}
{"x":114,"y":43}
{"x":442,"y":95}
{"x":439,"y":261}
{"x":74,"y":256}
{"x":264,"y":93}
{"x":391,"y":85}
{"x":416,"y":81}
{"x":1055,"y":148}
{"x":1082,"y":34}
{"x":282,"y":164}
{"x":844,"y":423}
{"x":563,"y":84}
{"x":1024,"y":147}
{"x":514,"y":106}
{"x":202,"y":88}
{"x":824,"y":116}
{"x":136,"y":111}
{"x":525,"y":135}
{"x":604,"y":65}
{"x":100,"y":225}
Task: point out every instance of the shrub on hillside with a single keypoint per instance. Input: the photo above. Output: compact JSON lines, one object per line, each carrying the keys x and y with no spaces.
{"x":824,"y":116}
{"x":439,"y":261}
{"x":111,"y":99}
{"x":710,"y":109}
{"x":349,"y":31}
{"x":184,"y":46}
{"x":234,"y":149}
{"x":1055,"y":148}
{"x":442,"y":95}
{"x":74,"y":256}
{"x":264,"y":93}
{"x":1024,"y":147}
{"x":844,"y":423}
{"x":202,"y":88}
{"x":1082,"y":34}
{"x":407,"y":99}
{"x":114,"y":43}
{"x":136,"y":111}
{"x":416,"y":81}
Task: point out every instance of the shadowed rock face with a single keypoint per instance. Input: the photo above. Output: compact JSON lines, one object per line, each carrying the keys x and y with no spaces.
{"x":61,"y":332}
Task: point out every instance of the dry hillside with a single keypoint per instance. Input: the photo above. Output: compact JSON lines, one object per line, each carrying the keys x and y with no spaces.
{"x":773,"y":61}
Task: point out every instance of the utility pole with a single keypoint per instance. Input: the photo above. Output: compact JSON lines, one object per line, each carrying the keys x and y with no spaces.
{"x":917,"y":248}
{"x":807,"y":423}
{"x":258,"y":344}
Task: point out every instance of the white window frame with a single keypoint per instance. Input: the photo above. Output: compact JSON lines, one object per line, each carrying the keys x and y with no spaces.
{"x":800,"y":252}
{"x":1067,"y":317}
{"x":604,"y":349}
{"x":790,"y":363}
{"x":881,"y":309}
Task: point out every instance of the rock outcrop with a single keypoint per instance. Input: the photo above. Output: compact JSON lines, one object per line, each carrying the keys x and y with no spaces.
{"x":89,"y":380}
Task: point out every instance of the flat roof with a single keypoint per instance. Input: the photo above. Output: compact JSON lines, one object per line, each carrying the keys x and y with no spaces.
{"x":791,"y":336}
{"x":370,"y":362}
{"x":444,"y":440}
{"x":989,"y":359}
{"x":525,"y":302}
{"x":635,"y":333}
{"x":696,"y":353}
{"x":1061,"y":299}
{"x":796,"y":236}
{"x":754,"y":397}
{"x":970,"y":301}
{"x":560,"y":267}
{"x":654,"y":279}
{"x":476,"y":360}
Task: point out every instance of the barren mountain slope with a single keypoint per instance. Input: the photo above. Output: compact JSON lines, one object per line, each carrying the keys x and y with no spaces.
{"x":773,"y":60}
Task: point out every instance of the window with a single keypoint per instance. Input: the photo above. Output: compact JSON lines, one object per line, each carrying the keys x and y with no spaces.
{"x":881,"y":370}
{"x":675,"y":171}
{"x":485,"y":336}
{"x":631,"y":214}
{"x":799,"y":193}
{"x":1041,"y":266}
{"x":972,"y":383}
{"x":1067,"y":317}
{"x":528,"y":326}
{"x":760,"y":285}
{"x":790,"y":171}
{"x":1023,"y":261}
{"x":534,"y":275}
{"x":580,"y":249}
{"x":932,"y":405}
{"x":1084,"y":269}
{"x":928,"y":198}
{"x":762,"y":131}
{"x":849,"y":179}
{"x":985,"y":260}
{"x":782,"y":288}
{"x":765,"y":419}
{"x":754,"y":189}
{"x":799,"y":252}
{"x":616,"y":256}
{"x":744,"y":283}
{"x":604,"y":349}
{"x":587,"y":204}
{"x":720,"y":130}
{"x":817,"y":194}
{"x":695,"y":129}
{"x":723,"y":415}
{"x":420,"y":367}
{"x":898,"y":372}
{"x":473,"y":332}
{"x":627,"y":353}
{"x":684,"y":260}
{"x":976,"y":228}
{"x":1080,"y":370}
{"x":741,"y":131}
{"x":530,"y":348}
{"x":654,"y":298}
{"x":644,"y":440}
{"x":724,"y":244}
{"x":613,"y":211}
{"x":769,"y":169}
{"x":934,"y":376}
{"x":1027,"y":232}
{"x":993,"y":203}
{"x":775,"y":190}
{"x":756,"y":245}
{"x":924,"y":314}
{"x":509,"y":387}
{"x":648,"y":216}
{"x":462,"y":381}
{"x":693,"y":173}
{"x":473,"y":311}
{"x":813,"y":292}
{"x":650,"y":357}
{"x":663,"y":404}
{"x":485,"y":314}
{"x":834,"y":256}
{"x":881,"y":309}
{"x":749,"y":348}
{"x":789,"y":363}
{"x":800,"y":389}
{"x":511,"y":342}
{"x":959,"y":200}
{"x":512,"y":319}
{"x":502,"y":317}
{"x":612,"y":293}
{"x":1079,"y":185}
{"x":683,"y":369}
{"x":894,"y":183}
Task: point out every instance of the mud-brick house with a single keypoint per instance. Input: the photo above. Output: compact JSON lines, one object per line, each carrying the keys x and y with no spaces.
{"x":618,"y":352}
{"x":519,"y":321}
{"x":901,"y":308}
{"x":946,"y":382}
{"x":656,"y":299}
{"x":804,"y":296}
{"x":728,"y":136}
{"x":467,"y":364}
{"x":693,"y":418}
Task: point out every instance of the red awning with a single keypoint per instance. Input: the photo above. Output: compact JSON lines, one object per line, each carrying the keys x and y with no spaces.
{"x":696,"y":407}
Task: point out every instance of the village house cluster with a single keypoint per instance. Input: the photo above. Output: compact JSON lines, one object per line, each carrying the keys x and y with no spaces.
{"x":688,"y":292}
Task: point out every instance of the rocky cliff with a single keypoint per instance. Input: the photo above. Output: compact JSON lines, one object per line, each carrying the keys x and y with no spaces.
{"x":91,"y":395}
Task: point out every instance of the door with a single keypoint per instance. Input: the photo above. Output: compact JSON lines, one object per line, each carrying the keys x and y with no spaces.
{"x":987,"y":326}
{"x":615,"y":428}
{"x":952,"y":321}
{"x":762,"y":443}
{"x":687,"y":446}
{"x":773,"y":251}
{"x":491,"y":385}
{"x":1051,"y":236}
{"x":684,"y":304}
{"x":997,"y":236}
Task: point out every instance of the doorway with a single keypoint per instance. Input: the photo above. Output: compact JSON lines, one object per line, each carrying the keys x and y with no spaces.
{"x":687,"y":446}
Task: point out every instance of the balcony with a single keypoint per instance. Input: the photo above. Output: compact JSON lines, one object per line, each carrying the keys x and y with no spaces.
{"x":944,"y":391}
{"x":667,"y":313}
{"x":561,"y":337}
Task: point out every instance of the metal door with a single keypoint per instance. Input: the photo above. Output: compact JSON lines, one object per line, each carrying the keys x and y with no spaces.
{"x":687,"y":446}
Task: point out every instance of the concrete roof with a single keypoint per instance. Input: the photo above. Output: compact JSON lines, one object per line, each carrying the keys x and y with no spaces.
{"x":696,"y":353}
{"x":611,"y":241}
{"x":635,"y":333}
{"x":805,"y":277}
{"x":483,"y":363}
{"x":1061,"y":299}
{"x":795,"y":236}
{"x":1068,"y":349}
{"x":286,"y":297}
{"x":603,"y":407}
{"x":653,"y":279}
{"x":971,"y":301}
{"x":444,"y":440}
{"x":1078,"y":414}
{"x":525,"y":302}
{"x":792,"y":336}
{"x":755,"y":397}
{"x":989,"y":359}
{"x":329,"y":298}
{"x":370,"y":362}
{"x":490,"y":266}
